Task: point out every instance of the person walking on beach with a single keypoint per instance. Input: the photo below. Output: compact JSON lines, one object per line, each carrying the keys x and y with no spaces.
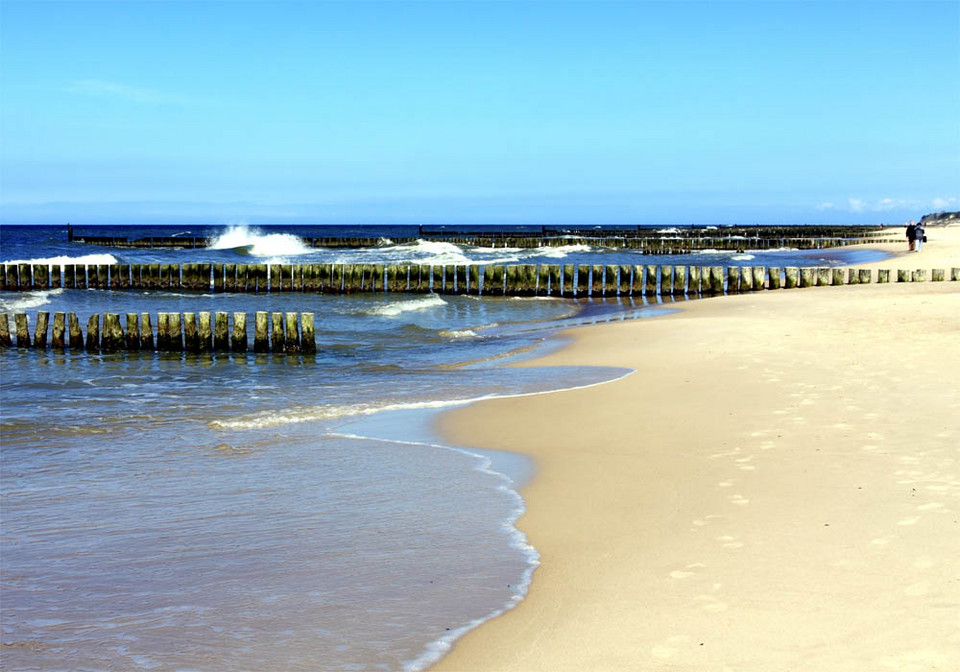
{"x":911,"y":234}
{"x":918,"y":236}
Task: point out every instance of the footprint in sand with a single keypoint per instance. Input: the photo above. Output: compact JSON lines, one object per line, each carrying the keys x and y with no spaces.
{"x":739,"y":500}
{"x":930,"y":507}
{"x":670,"y":647}
{"x":730,"y":542}
{"x":912,"y":520}
{"x":711,"y":604}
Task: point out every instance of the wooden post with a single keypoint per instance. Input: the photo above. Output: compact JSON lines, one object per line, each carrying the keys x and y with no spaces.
{"x":291,"y":336}
{"x":41,"y":279}
{"x":920,"y":275}
{"x":666,"y":280}
{"x":23,"y":331}
{"x":936,"y":274}
{"x":174,"y":332}
{"x":112,"y":340}
{"x":511,"y":285}
{"x":103,"y":276}
{"x":330,"y":278}
{"x":191,"y":337}
{"x":866,"y":276}
{"x":55,"y":281}
{"x":204,"y":331}
{"x":650,"y":280}
{"x":567,"y":286}
{"x":40,"y":333}
{"x":733,"y":279}
{"x":449,"y":279}
{"x":954,"y":274}
{"x":823,"y":276}
{"x":759,"y":278}
{"x":13,"y":277}
{"x":623,"y":284}
{"x":903,"y":275}
{"x":229,"y":278}
{"x":583,"y":280}
{"x":218,"y":278}
{"x":93,"y":333}
{"x":26,"y":279}
{"x":473,"y":279}
{"x":837,"y":276}
{"x":596,"y":281}
{"x":277,"y":339}
{"x":379,"y":275}
{"x":716,"y":279}
{"x":679,"y":280}
{"x":792,"y":276}
{"x":73,"y":331}
{"x":806,"y":277}
{"x":423,"y":278}
{"x":437,"y":279}
{"x":493,"y":280}
{"x":883,"y":275}
{"x":41,"y":276}
{"x":5,"y":341}
{"x":286,"y":277}
{"x":853,"y":278}
{"x":308,"y":343}
{"x":132,"y":334}
{"x":262,"y":286}
{"x":221,"y":335}
{"x":69,"y":276}
{"x":59,"y":329}
{"x":238,"y":339}
{"x":261,"y":341}
{"x":146,"y":332}
{"x":693,"y":282}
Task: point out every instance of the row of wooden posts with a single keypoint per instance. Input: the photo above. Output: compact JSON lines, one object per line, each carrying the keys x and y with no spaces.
{"x":515,"y":280}
{"x":290,"y":332}
{"x":189,"y":332}
{"x":644,"y":244}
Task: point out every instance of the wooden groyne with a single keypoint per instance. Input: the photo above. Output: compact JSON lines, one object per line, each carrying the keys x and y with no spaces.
{"x":291,"y":332}
{"x":568,"y":280}
{"x":642,"y":240}
{"x":203,"y":332}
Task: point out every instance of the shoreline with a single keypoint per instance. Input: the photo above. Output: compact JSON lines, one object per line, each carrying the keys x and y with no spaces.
{"x":670,"y":507}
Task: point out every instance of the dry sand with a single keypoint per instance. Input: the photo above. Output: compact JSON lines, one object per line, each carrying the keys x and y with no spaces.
{"x":776,"y":487}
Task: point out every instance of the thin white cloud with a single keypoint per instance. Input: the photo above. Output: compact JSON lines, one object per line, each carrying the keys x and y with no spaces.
{"x":99,"y":88}
{"x":890,"y":204}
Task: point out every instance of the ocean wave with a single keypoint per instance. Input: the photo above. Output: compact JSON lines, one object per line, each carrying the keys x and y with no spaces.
{"x":63,"y":260}
{"x":293,"y":416}
{"x":394,"y":308}
{"x":27,"y":300}
{"x":742,"y":257}
{"x":562,"y":251}
{"x":458,"y":333}
{"x":253,"y":242}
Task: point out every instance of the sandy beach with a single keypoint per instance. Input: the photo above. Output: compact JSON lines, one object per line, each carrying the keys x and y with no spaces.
{"x":776,"y":487}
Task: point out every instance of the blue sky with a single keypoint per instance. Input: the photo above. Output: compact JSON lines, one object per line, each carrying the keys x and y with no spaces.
{"x":501,"y":112}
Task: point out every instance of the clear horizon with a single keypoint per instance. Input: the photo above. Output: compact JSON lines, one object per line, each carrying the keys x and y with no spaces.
{"x":502,"y":113}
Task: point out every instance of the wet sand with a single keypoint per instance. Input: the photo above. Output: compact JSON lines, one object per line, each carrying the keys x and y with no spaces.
{"x":777,"y":487}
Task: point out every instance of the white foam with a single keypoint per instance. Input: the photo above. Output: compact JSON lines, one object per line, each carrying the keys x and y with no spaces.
{"x":394,"y":308}
{"x":27,"y":301}
{"x":62,"y":260}
{"x":458,"y":333}
{"x":742,"y":257}
{"x":276,"y":246}
{"x":563,"y":251}
{"x":670,"y":230}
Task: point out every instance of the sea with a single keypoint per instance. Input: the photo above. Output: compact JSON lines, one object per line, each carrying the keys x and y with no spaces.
{"x":264,"y":512}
